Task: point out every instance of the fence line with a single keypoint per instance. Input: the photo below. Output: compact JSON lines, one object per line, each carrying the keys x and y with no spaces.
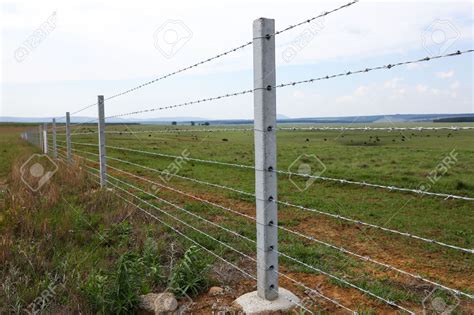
{"x":311,"y":238}
{"x":265,"y":196}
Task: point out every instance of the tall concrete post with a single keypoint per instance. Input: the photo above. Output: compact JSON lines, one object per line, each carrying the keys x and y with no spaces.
{"x":102,"y":155}
{"x":265,"y":157}
{"x":40,"y":137}
{"x":45,"y":138}
{"x":55,"y":145}
{"x":68,"y":137}
{"x":268,"y":298}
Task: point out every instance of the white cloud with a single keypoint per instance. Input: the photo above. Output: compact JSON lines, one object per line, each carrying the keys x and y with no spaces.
{"x":445,"y":75}
{"x":422,"y":88}
{"x":392,"y":83}
{"x":361,"y":90}
{"x":455,"y":85}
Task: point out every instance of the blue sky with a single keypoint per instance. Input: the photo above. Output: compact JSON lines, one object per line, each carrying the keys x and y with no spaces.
{"x":108,"y":47}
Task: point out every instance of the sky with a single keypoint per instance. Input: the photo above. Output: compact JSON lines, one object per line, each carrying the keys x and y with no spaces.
{"x":57,"y":56}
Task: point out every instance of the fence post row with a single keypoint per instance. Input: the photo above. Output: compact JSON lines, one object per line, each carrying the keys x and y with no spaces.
{"x":101,"y":126}
{"x":265,"y":157}
{"x":68,"y":137}
{"x":55,"y":147}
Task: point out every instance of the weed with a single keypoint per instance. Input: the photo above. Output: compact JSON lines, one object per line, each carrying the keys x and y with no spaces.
{"x":190,"y":276}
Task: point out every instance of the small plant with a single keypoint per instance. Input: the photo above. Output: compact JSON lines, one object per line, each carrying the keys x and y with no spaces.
{"x":118,"y":291}
{"x":190,"y":274}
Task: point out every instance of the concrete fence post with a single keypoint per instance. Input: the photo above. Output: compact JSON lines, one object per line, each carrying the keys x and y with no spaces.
{"x":40,"y":137}
{"x":68,"y":137}
{"x":102,"y":155}
{"x":55,"y":145}
{"x":269,"y":297}
{"x":265,"y":157}
{"x":45,"y":138}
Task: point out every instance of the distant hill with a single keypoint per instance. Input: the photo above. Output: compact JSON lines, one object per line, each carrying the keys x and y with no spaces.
{"x":281,"y":119}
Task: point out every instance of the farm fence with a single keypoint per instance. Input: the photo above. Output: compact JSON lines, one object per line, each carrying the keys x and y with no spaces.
{"x":46,"y":137}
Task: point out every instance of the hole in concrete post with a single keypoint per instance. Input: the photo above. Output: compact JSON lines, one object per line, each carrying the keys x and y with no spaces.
{"x":269,"y":128}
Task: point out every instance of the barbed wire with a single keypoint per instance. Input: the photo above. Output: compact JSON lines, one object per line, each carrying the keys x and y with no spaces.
{"x":290,"y":27}
{"x":203,"y":100}
{"x":453,"y":128}
{"x":311,"y":238}
{"x":365,"y":70}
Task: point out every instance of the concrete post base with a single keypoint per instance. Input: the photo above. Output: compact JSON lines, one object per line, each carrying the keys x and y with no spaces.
{"x":251,"y":303}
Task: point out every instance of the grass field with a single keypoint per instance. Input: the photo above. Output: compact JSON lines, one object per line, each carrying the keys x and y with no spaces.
{"x":409,"y":159}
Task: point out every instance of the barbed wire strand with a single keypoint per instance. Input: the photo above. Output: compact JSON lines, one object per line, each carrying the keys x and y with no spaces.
{"x":290,"y":27}
{"x":365,"y":70}
{"x":203,"y":100}
{"x":336,"y":216}
{"x":453,"y":128}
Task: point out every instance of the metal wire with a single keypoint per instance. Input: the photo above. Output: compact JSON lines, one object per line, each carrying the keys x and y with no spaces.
{"x":391,"y":188}
{"x":203,"y":100}
{"x":311,"y":238}
{"x":384,"y":67}
{"x":467,"y":250}
{"x":316,"y":17}
{"x":471,"y":251}
{"x":454,"y":128}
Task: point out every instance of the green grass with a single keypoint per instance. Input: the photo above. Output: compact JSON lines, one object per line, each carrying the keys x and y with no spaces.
{"x":390,"y":158}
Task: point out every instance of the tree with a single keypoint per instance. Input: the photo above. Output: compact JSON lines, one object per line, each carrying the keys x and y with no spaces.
{"x":174,"y":123}
{"x":192,"y":123}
